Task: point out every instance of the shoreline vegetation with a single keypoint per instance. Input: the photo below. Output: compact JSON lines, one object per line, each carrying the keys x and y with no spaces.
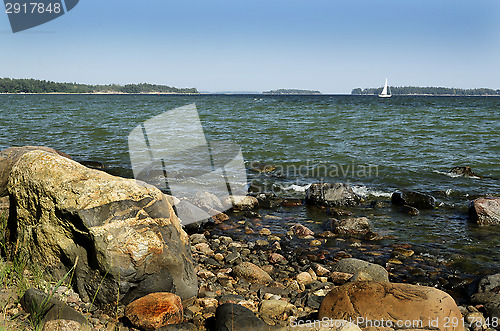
{"x":428,"y":91}
{"x":291,"y":92}
{"x":35,"y":86}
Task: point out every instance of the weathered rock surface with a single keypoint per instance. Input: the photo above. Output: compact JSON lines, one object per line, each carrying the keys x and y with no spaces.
{"x":9,"y":157}
{"x":155,"y":310}
{"x":413,"y":199}
{"x":488,"y":294}
{"x":53,"y":309}
{"x":276,"y":308}
{"x":349,"y":226}
{"x":125,"y":233}
{"x":233,"y":317}
{"x":485,"y":211}
{"x":62,"y":325}
{"x":241,"y":202}
{"x":422,"y":307}
{"x":251,"y":273}
{"x":330,"y":325}
{"x":353,"y":266}
{"x":332,"y":195}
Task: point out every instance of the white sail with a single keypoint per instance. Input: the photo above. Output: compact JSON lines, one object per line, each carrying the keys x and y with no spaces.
{"x":384,"y":93}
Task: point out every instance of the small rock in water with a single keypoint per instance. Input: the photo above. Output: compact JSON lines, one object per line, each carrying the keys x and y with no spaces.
{"x":350,"y":226}
{"x":301,"y":231}
{"x":332,"y":195}
{"x":409,"y":210}
{"x":414,"y":199}
{"x":463,"y":171}
{"x":265,"y":232}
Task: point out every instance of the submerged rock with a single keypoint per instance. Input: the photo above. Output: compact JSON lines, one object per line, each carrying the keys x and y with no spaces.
{"x":485,"y":211}
{"x":332,"y":195}
{"x":127,"y":238}
{"x":463,"y":171}
{"x":409,"y":210}
{"x":413,"y":199}
{"x":388,"y":304}
{"x":349,"y":226}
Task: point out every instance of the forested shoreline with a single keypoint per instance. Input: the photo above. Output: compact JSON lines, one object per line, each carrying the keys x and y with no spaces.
{"x":414,"y":90}
{"x":10,"y":85}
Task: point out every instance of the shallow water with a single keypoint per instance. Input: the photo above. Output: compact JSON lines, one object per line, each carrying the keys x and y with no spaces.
{"x":376,"y":145}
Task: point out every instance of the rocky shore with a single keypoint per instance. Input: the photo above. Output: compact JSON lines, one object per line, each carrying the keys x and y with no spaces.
{"x":127,"y":264}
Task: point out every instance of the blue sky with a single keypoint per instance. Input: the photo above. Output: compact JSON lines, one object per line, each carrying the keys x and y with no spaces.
{"x":255,"y":45}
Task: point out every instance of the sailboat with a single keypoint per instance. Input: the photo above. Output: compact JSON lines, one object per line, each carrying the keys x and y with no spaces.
{"x":386,"y":92}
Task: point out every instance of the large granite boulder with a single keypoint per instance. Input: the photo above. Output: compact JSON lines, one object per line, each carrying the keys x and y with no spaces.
{"x":9,"y":157}
{"x":392,"y":305}
{"x":125,"y":234}
{"x":332,"y":195}
{"x":485,"y":211}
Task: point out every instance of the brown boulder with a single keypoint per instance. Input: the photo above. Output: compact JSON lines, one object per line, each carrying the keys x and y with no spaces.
{"x":9,"y":157}
{"x":155,"y":310}
{"x":485,"y":211}
{"x":383,"y":304}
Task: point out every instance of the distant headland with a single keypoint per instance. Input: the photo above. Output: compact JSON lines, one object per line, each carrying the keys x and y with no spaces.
{"x":290,"y":91}
{"x":413,"y":90}
{"x":10,"y":85}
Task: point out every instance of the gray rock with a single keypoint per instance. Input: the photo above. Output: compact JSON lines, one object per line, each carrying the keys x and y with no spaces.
{"x":232,"y":257}
{"x":414,"y":199}
{"x":353,"y":266}
{"x":409,"y":210}
{"x":350,"y":226}
{"x":485,"y":211}
{"x":269,"y":200}
{"x":233,"y":317}
{"x":489,"y":295}
{"x":125,"y":234}
{"x":36,"y":302}
{"x":332,"y":195}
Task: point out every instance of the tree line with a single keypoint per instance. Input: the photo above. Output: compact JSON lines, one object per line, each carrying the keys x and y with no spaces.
{"x":9,"y":85}
{"x":290,"y":91}
{"x":414,"y":90}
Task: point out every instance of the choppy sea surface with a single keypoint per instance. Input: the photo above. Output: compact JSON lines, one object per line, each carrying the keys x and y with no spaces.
{"x":376,"y":145}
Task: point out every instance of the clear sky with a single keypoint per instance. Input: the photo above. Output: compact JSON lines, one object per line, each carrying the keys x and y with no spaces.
{"x":256,"y":45}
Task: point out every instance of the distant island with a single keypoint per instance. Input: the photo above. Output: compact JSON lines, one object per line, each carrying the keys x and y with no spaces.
{"x":290,"y":91}
{"x":413,"y":90}
{"x":10,"y":85}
